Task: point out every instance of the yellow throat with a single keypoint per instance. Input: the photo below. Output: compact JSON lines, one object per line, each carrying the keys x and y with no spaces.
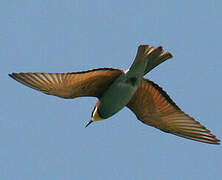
{"x":96,"y":116}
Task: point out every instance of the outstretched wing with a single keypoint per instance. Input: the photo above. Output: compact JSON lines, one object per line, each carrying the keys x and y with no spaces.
{"x":154,"y":107}
{"x":70,"y":85}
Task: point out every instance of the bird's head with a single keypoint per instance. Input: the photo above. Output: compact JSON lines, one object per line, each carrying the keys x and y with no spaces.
{"x":95,"y":115}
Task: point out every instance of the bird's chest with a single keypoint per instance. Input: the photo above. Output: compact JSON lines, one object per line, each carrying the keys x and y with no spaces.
{"x":118,"y":95}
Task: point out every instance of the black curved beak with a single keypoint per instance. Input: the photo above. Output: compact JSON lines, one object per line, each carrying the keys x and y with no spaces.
{"x":88,"y":123}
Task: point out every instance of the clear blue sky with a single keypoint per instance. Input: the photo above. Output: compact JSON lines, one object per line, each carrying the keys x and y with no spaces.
{"x":44,"y":137}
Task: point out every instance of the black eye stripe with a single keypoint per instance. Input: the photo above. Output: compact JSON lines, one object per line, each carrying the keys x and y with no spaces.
{"x":93,"y":111}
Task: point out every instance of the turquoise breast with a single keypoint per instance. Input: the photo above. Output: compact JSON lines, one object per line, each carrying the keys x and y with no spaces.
{"x":121,"y":91}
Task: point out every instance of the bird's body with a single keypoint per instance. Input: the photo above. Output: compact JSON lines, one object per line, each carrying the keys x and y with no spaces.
{"x":117,"y":96}
{"x":116,"y":89}
{"x":121,"y":90}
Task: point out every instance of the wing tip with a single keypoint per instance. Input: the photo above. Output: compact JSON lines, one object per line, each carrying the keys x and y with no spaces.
{"x":217,"y":142}
{"x":210,"y":139}
{"x":13,"y":75}
{"x":10,"y":75}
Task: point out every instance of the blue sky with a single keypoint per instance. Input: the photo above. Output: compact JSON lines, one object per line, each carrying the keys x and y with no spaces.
{"x":44,"y":137}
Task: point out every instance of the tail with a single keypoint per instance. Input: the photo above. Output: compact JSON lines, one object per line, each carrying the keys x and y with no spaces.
{"x":158,"y":59}
{"x":154,"y":56}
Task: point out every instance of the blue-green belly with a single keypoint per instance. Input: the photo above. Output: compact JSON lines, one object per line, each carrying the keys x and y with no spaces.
{"x":117,"y":96}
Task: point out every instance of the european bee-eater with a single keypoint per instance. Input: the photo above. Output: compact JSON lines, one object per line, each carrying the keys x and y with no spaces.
{"x":116,"y":89}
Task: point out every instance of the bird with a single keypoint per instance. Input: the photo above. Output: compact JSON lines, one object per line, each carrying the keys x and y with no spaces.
{"x":116,"y":89}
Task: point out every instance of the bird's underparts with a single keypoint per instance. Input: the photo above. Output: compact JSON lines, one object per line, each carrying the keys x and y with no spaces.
{"x":116,"y":89}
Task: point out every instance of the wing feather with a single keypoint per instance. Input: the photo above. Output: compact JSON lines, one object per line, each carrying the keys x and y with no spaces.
{"x":70,"y":85}
{"x":154,"y":107}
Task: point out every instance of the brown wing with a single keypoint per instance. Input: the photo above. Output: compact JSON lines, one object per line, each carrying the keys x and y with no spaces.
{"x":70,"y":85}
{"x":154,"y":107}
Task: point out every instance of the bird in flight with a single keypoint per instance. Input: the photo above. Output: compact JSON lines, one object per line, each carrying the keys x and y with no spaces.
{"x":116,"y":89}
